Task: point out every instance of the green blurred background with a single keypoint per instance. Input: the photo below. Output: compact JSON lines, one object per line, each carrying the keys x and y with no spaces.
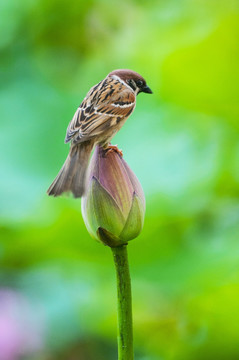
{"x":57,"y":294}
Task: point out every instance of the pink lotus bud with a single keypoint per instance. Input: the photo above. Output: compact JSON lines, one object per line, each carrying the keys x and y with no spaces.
{"x":113,"y":206}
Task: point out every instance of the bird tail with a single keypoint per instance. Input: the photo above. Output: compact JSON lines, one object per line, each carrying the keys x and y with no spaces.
{"x":72,"y":175}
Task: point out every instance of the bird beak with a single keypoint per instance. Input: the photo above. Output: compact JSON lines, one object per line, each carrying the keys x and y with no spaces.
{"x":147,"y":90}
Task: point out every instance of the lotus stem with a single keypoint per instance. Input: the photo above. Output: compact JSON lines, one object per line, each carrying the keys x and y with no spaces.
{"x":125,"y":323}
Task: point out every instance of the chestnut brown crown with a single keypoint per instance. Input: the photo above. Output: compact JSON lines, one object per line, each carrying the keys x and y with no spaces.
{"x":133,"y":79}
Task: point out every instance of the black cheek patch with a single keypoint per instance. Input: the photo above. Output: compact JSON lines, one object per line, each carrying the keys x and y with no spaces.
{"x":132,"y":85}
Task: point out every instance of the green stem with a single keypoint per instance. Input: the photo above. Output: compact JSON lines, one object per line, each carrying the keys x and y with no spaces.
{"x":125,"y":324}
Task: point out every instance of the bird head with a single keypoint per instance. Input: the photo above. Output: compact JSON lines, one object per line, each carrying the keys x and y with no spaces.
{"x":132,"y":79}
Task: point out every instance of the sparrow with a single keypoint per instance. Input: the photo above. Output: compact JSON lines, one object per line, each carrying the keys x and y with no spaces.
{"x":100,"y":116}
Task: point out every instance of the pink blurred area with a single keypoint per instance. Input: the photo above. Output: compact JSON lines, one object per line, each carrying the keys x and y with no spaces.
{"x":21,"y":329}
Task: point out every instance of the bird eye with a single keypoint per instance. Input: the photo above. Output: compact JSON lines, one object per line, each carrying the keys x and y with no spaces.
{"x":139,"y":83}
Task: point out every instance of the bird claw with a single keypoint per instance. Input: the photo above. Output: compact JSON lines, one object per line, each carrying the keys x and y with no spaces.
{"x":111,"y":148}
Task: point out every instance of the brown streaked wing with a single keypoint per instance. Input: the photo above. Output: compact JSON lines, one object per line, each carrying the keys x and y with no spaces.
{"x":83,"y":111}
{"x":114,"y":100}
{"x":74,"y":125}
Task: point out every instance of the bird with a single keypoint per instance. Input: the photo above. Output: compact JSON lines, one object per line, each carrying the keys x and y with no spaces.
{"x":99,"y":117}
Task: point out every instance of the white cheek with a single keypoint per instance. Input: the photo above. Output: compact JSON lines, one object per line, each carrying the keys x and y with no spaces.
{"x":115,"y":77}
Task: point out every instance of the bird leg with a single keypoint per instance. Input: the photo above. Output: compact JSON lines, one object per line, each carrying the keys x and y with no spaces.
{"x":110,"y":148}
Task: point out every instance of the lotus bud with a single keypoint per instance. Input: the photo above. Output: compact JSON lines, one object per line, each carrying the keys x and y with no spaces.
{"x":113,"y":205}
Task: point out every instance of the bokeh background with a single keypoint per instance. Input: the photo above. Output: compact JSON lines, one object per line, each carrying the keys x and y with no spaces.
{"x":57,"y":293}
